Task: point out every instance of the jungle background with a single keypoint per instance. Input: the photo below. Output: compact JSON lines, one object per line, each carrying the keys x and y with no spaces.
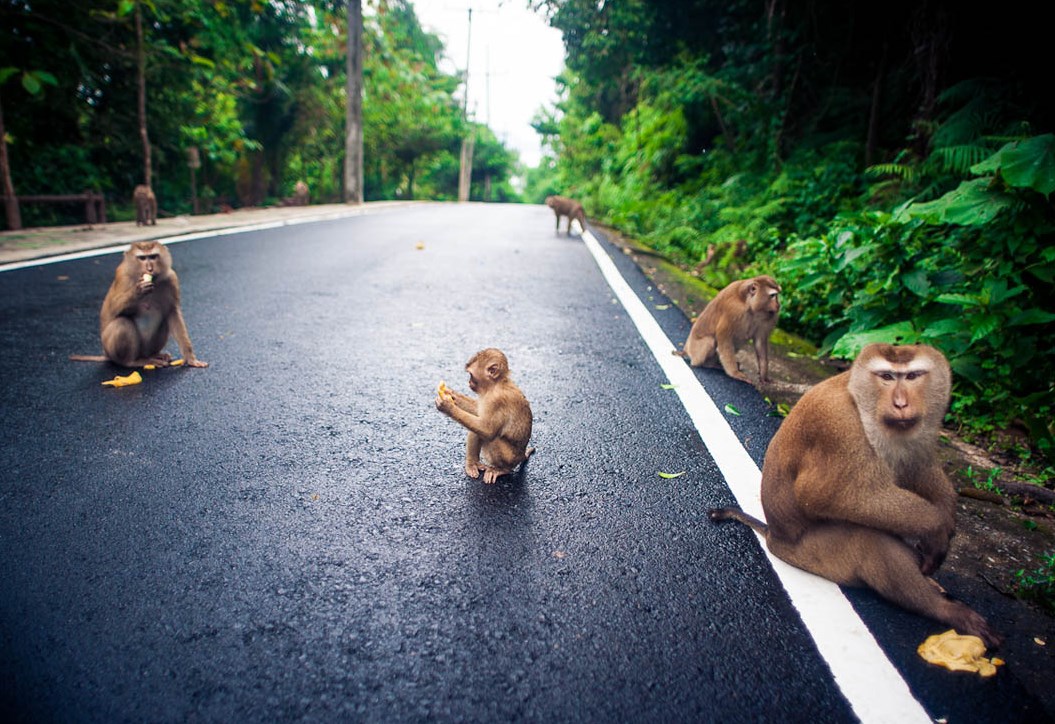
{"x":892,"y":164}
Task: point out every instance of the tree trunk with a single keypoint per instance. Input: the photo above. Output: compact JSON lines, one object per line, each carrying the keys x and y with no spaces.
{"x":465,"y":174}
{"x":873,"y":117}
{"x":353,"y":142}
{"x":141,"y":61}
{"x":14,"y":217}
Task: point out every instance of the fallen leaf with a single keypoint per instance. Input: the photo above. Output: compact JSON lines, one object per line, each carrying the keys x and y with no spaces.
{"x":732,"y":410}
{"x":667,"y":387}
{"x":669,"y":476}
{"x":133,"y":379}
{"x":662,"y":307}
{"x":62,"y":278}
{"x":957,"y":653}
{"x":1040,"y":642}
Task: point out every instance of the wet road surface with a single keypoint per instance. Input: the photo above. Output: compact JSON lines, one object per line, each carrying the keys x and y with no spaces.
{"x":288,"y":534}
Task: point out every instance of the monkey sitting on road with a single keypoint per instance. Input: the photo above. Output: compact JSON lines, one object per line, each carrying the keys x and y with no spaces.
{"x":852,"y":487}
{"x":499,"y":421}
{"x":571,"y":208}
{"x":141,"y":309}
{"x":745,"y":309}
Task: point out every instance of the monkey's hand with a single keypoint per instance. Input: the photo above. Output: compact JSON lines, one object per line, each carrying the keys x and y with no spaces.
{"x":444,"y":403}
{"x":145,"y":285}
{"x":932,"y":550}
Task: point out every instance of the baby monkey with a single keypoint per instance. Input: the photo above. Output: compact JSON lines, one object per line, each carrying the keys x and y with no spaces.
{"x":498,"y":421}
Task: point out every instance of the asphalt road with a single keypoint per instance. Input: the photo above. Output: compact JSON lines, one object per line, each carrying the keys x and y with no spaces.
{"x":288,"y":534}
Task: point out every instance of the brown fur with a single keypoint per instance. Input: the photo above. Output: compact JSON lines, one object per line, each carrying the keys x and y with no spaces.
{"x":852,"y":487}
{"x":571,"y":208}
{"x":499,"y":421}
{"x":299,"y":197}
{"x":137,"y":315}
{"x":745,"y":309}
{"x":146,"y":206}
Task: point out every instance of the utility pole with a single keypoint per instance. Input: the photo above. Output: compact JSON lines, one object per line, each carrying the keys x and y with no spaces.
{"x":353,"y":142}
{"x":466,"y":170}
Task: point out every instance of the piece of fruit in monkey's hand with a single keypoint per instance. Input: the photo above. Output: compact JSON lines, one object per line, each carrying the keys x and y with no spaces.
{"x":147,"y":278}
{"x":958,"y":653}
{"x":443,"y":390}
{"x":133,"y":379}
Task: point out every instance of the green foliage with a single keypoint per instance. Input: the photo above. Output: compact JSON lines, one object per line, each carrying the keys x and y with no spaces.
{"x":257,"y":87}
{"x":719,"y":134}
{"x":1039,"y":584}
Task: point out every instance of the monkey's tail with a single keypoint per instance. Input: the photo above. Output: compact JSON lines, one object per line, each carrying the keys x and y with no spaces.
{"x":88,"y":358}
{"x":720,"y":514}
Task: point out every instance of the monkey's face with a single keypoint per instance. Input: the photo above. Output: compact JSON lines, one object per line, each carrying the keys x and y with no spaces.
{"x":902,"y":402}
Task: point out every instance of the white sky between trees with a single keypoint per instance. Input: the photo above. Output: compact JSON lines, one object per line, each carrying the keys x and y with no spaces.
{"x":514,"y":58}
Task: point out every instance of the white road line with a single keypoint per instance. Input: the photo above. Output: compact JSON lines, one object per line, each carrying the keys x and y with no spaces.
{"x":873,"y":687}
{"x":120,"y":248}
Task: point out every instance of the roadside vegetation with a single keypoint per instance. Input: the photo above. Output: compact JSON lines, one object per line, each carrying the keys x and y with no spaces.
{"x":256,"y":89}
{"x":895,"y":178}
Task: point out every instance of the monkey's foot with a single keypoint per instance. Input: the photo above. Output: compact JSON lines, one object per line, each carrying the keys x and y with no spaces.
{"x":491,"y":475}
{"x":473,"y":469}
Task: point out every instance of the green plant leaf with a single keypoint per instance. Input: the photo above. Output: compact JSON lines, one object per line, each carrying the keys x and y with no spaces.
{"x":1031,"y":316}
{"x":916,"y":282}
{"x":30,"y":83}
{"x":732,"y":410}
{"x":972,"y":203}
{"x":945,"y":327}
{"x":671,"y":476}
{"x":850,"y":344}
{"x":1024,"y":164}
{"x":666,"y":386}
{"x":966,"y":300}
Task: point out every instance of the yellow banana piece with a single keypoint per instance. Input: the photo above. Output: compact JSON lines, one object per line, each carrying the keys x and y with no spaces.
{"x":133,"y":379}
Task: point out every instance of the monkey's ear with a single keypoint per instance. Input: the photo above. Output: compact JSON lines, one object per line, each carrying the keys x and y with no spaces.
{"x":492,"y":370}
{"x":750,"y":290}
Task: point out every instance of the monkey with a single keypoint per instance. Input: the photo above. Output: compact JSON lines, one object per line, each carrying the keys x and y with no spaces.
{"x":300,"y":194}
{"x":146,"y":206}
{"x":140,"y":310}
{"x":852,"y":487}
{"x":745,"y":309}
{"x":567,"y":207}
{"x":499,"y":421}
{"x":299,"y":197}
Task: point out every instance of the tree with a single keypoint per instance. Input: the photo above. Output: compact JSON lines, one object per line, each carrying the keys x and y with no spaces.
{"x":31,"y":81}
{"x":353,"y":145}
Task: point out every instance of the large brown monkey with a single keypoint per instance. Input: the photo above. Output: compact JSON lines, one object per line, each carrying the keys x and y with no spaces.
{"x":146,"y":205}
{"x":499,"y":422}
{"x":746,"y":309}
{"x":141,"y":309}
{"x":571,"y":208}
{"x":852,"y":487}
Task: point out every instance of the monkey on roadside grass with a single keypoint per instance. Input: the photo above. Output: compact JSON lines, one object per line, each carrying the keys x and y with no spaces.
{"x":852,"y":487}
{"x":745,"y":309}
{"x":300,"y":195}
{"x":140,"y":310}
{"x":571,"y":208}
{"x":498,"y":421}
{"x":146,"y":206}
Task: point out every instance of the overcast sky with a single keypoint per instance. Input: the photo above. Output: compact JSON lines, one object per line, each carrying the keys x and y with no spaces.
{"x":514,"y":58}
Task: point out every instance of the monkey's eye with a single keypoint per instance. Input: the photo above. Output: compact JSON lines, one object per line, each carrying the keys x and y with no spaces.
{"x":886,"y":376}
{"x":914,"y":375}
{"x":147,"y":257}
